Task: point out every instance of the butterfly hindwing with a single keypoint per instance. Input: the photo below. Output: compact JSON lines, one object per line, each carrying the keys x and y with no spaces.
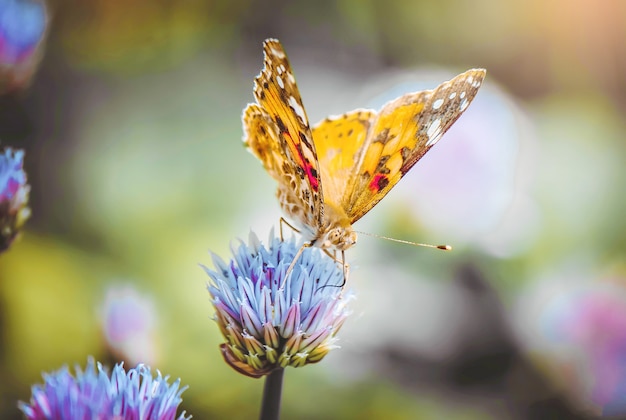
{"x":338,"y":141}
{"x":403,"y":131}
{"x":262,"y":138}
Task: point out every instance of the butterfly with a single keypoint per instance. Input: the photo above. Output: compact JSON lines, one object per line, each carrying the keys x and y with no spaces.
{"x":330,"y":175}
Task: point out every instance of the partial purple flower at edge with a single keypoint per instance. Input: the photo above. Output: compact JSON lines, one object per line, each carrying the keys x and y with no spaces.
{"x":23,"y":25}
{"x":271,"y":320}
{"x":94,"y":395}
{"x":591,"y":323}
{"x":13,"y":196}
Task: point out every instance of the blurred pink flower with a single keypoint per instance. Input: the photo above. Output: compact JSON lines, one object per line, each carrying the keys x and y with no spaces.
{"x":579,"y":332}
{"x":593,"y":323}
{"x":128,"y":324}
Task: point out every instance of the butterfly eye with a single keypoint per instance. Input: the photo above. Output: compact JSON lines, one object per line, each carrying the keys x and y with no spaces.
{"x":340,"y":238}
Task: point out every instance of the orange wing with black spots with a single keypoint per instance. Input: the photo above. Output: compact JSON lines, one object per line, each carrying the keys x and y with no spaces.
{"x":400,"y":134}
{"x":276,"y":130}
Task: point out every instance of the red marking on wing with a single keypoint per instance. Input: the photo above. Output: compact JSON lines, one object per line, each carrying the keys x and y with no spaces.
{"x":308,"y":168}
{"x":312,"y":179}
{"x":379,"y":182}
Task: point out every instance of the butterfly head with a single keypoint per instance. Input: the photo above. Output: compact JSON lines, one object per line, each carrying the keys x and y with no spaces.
{"x":336,"y":231}
{"x":339,"y":238}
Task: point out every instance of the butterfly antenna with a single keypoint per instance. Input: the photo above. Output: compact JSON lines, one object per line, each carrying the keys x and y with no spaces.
{"x":346,"y":268}
{"x":442,"y":247}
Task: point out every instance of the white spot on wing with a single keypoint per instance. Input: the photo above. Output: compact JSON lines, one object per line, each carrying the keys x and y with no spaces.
{"x":279,"y":80}
{"x":297,"y":108}
{"x":434,"y":132}
{"x":462,"y":95}
{"x":453,"y":95}
{"x":278,"y":53}
{"x":463,"y":105}
{"x":437,"y":104}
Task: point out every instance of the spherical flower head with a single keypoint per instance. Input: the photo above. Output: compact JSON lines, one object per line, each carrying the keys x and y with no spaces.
{"x":129,"y":322}
{"x":13,"y":196}
{"x":22,"y":30}
{"x":272,"y":318}
{"x":94,"y":395}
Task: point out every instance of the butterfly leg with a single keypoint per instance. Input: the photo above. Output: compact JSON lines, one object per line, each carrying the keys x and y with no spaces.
{"x":333,"y":255}
{"x":283,"y":221}
{"x":346,"y":268}
{"x":293,"y":262}
{"x":341,"y":261}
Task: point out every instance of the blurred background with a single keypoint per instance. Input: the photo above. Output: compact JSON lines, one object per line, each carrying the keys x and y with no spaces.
{"x":130,"y":116}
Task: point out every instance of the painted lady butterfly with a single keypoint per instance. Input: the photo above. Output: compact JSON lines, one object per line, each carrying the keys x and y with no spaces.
{"x":331,"y":175}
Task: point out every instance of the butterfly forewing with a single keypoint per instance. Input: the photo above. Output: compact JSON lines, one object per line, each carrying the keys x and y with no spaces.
{"x":288,"y":147}
{"x":442,"y":108}
{"x":403,"y":131}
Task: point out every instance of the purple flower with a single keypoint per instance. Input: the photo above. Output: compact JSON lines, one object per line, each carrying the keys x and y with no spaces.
{"x":94,"y":395}
{"x":13,"y":196}
{"x":22,"y":29}
{"x":271,"y":318}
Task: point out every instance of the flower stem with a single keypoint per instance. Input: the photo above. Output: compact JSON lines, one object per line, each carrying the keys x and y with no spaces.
{"x":272,"y":391}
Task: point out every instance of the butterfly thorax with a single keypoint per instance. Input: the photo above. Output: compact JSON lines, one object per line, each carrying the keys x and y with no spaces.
{"x":336,"y":231}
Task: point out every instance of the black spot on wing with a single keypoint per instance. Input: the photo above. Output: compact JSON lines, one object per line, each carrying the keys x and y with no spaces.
{"x":382,"y":168}
{"x":382,"y":137}
{"x":280,"y":124}
{"x":305,"y":140}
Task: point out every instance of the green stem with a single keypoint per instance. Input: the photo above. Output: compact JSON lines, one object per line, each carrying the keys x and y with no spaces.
{"x":272,"y":391}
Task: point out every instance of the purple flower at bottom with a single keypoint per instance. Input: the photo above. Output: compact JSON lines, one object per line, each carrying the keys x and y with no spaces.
{"x":94,"y":395}
{"x":13,"y":196}
{"x":272,"y":318}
